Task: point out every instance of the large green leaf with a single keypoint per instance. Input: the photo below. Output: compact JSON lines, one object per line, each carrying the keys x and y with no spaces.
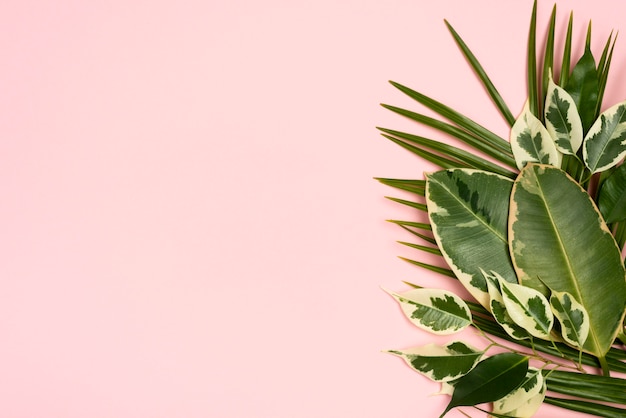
{"x":468,"y":211}
{"x":605,"y":143}
{"x":558,"y":238}
{"x":441,"y":364}
{"x":612,"y":196}
{"x":492,"y":379}
{"x":434,"y":310}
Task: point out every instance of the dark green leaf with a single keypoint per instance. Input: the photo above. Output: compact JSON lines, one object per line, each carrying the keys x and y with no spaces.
{"x":533,"y":93}
{"x":612,"y":196}
{"x":491,"y":379}
{"x":567,"y":54}
{"x":591,"y":408}
{"x":583,"y":86}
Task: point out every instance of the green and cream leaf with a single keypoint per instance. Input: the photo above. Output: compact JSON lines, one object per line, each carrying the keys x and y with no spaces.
{"x":572,"y":316}
{"x":441,"y":363}
{"x":498,"y":309}
{"x":524,"y":401}
{"x":604,"y":145}
{"x":462,"y":203}
{"x":438,"y":311}
{"x":531,"y":142}
{"x":528,"y":308}
{"x":562,"y":120}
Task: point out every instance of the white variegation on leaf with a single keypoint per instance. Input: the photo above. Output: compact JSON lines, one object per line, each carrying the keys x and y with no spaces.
{"x":573,"y":317}
{"x":604,"y":145}
{"x":498,"y":309}
{"x":562,"y":119}
{"x":531,"y":141}
{"x":524,"y":401}
{"x":528,"y":308}
{"x":441,"y":363}
{"x":467,"y":202}
{"x":439,"y":311}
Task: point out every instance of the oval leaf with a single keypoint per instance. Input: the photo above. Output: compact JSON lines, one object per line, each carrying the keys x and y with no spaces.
{"x":553,"y":224}
{"x":438,"y":311}
{"x":498,"y":309}
{"x":531,"y":142}
{"x":562,"y":119}
{"x":605,"y":143}
{"x":463,"y":203}
{"x":612,"y":196}
{"x":526,"y":399}
{"x":572,"y":316}
{"x":528,"y":308}
{"x":441,"y":364}
{"x":491,"y":379}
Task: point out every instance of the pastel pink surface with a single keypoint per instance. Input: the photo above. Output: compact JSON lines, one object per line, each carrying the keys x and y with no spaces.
{"x":190,"y":226}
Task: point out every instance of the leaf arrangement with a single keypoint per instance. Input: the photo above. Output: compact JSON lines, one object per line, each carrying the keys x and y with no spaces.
{"x":534,"y":227}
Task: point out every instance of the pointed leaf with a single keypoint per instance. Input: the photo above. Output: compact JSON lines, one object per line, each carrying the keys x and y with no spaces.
{"x":531,"y":142}
{"x":572,"y":316}
{"x":437,"y":311}
{"x":562,"y":119}
{"x":464,"y":203}
{"x":583,"y":86}
{"x":491,"y":379}
{"x":612,"y":196}
{"x":498,"y":308}
{"x":605,"y":143}
{"x":526,"y":399}
{"x":528,"y":308}
{"x":441,"y":364}
{"x":552,"y":225}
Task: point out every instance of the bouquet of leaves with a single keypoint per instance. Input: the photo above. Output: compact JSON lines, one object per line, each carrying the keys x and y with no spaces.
{"x":534,"y":228}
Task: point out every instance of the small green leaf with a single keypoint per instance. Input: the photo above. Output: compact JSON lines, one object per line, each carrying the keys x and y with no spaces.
{"x":441,"y":364}
{"x":528,"y":308}
{"x":604,"y":145}
{"x":437,"y":311}
{"x":531,"y":142}
{"x":573,"y":317}
{"x":562,"y":119}
{"x":526,"y":399}
{"x":612,"y":196}
{"x":491,"y":379}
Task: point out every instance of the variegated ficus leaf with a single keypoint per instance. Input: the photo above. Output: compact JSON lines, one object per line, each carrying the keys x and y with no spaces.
{"x":441,"y":363}
{"x":572,"y":316}
{"x":604,"y":145}
{"x":531,"y":142}
{"x":528,"y":308}
{"x":437,"y":311}
{"x":498,"y":309}
{"x":466,"y":203}
{"x":562,"y":119}
{"x":524,"y":401}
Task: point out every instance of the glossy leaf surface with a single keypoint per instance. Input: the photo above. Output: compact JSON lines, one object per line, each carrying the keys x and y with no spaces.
{"x":526,"y":399}
{"x":492,"y":379}
{"x":528,"y":308}
{"x":470,"y":203}
{"x":552,"y":225}
{"x":498,"y":308}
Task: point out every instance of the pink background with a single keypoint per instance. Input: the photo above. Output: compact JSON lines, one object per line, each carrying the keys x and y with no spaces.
{"x":189,"y":222}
